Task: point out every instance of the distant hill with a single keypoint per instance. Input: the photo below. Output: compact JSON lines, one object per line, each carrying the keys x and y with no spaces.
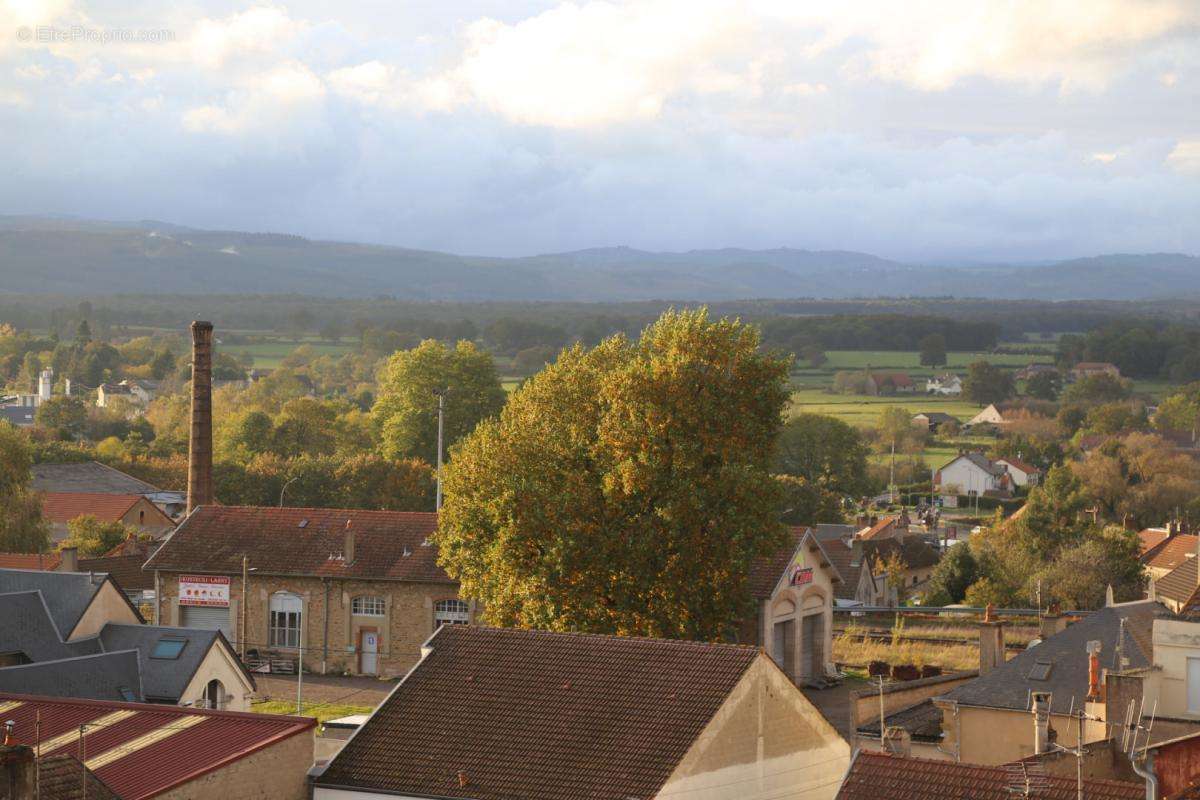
{"x":88,"y":257}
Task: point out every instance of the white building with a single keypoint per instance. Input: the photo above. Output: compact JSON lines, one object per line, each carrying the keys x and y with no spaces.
{"x":946,"y":385}
{"x":972,"y":473}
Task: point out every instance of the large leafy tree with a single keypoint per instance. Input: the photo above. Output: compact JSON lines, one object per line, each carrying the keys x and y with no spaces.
{"x":22,"y":529}
{"x":932,"y":350}
{"x":406,"y":411}
{"x":986,"y":383}
{"x":626,"y":488}
{"x":825,"y":452}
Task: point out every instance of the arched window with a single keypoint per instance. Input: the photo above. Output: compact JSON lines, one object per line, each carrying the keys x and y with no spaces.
{"x":368,"y":606}
{"x":286,"y":612}
{"x":214,"y":695}
{"x":450,"y":612}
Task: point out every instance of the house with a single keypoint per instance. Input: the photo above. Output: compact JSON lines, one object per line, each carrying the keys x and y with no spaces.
{"x":122,"y":660}
{"x":500,"y":713}
{"x":932,"y":420}
{"x":859,"y":586}
{"x":141,"y":391}
{"x":972,"y":474}
{"x":988,"y":721}
{"x":105,"y":393}
{"x":883,"y":776}
{"x":919,"y":558}
{"x":1167,"y":556}
{"x":887,"y":383}
{"x":1022,"y":473}
{"x":361,"y":588}
{"x":62,"y":777}
{"x":134,"y":510}
{"x":141,"y":751}
{"x":793,"y":590}
{"x":989,"y":416}
{"x":18,"y":416}
{"x":883,"y":527}
{"x":92,"y":477}
{"x":1033,"y":370}
{"x":1178,"y":589}
{"x":123,"y":563}
{"x":1086,"y":369}
{"x":945,"y":385}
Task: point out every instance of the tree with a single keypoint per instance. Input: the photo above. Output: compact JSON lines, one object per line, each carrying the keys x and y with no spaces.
{"x":825,"y":452}
{"x":1080,"y":575}
{"x":406,"y":410}
{"x":933,"y":350}
{"x":952,"y":576}
{"x":986,"y":383}
{"x":64,"y":415}
{"x":893,"y":568}
{"x":1114,"y":418}
{"x":624,"y":489}
{"x":808,"y":503}
{"x":94,"y":538}
{"x":1044,"y":386}
{"x":1141,"y":480}
{"x":895,"y":426}
{"x":22,"y":528}
{"x":1098,"y":388}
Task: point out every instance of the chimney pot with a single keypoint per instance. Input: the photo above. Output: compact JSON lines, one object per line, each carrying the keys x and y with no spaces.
{"x":200,"y":441}
{"x":70,"y":559}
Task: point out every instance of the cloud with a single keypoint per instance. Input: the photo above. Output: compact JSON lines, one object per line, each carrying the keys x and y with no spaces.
{"x":277,"y":99}
{"x":1185,"y":157}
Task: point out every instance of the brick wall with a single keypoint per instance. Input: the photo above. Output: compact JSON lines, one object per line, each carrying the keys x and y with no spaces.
{"x":277,"y":772}
{"x":405,"y":625}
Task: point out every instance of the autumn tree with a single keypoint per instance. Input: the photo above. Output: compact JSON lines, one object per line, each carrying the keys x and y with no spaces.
{"x":808,"y":503}
{"x":952,"y":576}
{"x":626,"y":488}
{"x":986,"y":383}
{"x":93,"y":538}
{"x":22,"y":528}
{"x":1098,"y":388}
{"x":825,"y":452}
{"x":1044,"y":386}
{"x":406,"y":410}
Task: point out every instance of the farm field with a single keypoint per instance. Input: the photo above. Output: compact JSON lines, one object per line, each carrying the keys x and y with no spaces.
{"x":863,"y":411}
{"x":268,"y":354}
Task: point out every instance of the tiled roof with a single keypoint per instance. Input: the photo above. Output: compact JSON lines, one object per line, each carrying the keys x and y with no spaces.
{"x":842,"y":558}
{"x":936,"y":416}
{"x":1008,"y":685}
{"x":1019,"y":465}
{"x":1180,"y":584}
{"x":879,"y":528}
{"x":121,"y":750}
{"x":877,"y":776}
{"x":388,"y":545}
{"x":59,"y":778}
{"x":540,"y":716}
{"x":766,"y":571}
{"x":63,"y":507}
{"x":1179,"y":549}
{"x":125,"y":570}
{"x":89,"y":476}
{"x":37,"y":561}
{"x":1150,"y":538}
{"x":915,"y":551}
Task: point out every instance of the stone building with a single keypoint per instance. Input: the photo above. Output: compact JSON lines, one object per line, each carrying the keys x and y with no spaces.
{"x":355,"y":591}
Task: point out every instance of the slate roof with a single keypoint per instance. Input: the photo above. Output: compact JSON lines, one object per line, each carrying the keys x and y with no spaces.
{"x":923,"y":722}
{"x":89,"y":476}
{"x":1008,"y":686}
{"x":63,"y":507}
{"x":878,"y":776}
{"x":1177,"y":550}
{"x":389,"y":545}
{"x":850,"y":568}
{"x":26,"y":627}
{"x":165,"y":679}
{"x":936,"y":417}
{"x":59,"y":778}
{"x":916,"y":552}
{"x":67,"y":594}
{"x":187,"y":742}
{"x":102,"y":676}
{"x":21,"y":416}
{"x":540,"y":716}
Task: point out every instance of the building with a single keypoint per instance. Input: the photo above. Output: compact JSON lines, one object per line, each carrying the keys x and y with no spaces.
{"x":882,"y":776}
{"x":859,"y":586}
{"x":61,"y":777}
{"x":1179,"y":589}
{"x":123,"y":563}
{"x":1167,"y":556}
{"x":989,"y":416}
{"x":18,"y":416}
{"x":491,"y":713}
{"x":918,"y":556}
{"x":362,"y":589}
{"x":134,"y":510}
{"x":912,"y":724}
{"x":1021,"y":473}
{"x":883,"y":527}
{"x":121,"y":659}
{"x":1086,"y":369}
{"x":92,"y":477}
{"x":141,"y":751}
{"x":106,"y":392}
{"x":887,"y":383}
{"x":932,"y":420}
{"x":793,"y":592}
{"x":972,"y":474}
{"x":944,"y":385}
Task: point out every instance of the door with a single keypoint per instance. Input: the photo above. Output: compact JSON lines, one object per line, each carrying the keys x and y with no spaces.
{"x":812,"y":647}
{"x":206,"y":618}
{"x":368,"y":651}
{"x":783,"y":646}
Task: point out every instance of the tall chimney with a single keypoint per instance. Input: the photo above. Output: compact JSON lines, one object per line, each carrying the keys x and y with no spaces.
{"x":348,"y":545}
{"x":200,"y":444}
{"x":991,"y":643}
{"x":1042,"y":736}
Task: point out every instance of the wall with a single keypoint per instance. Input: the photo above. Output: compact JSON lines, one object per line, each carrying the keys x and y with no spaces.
{"x":864,"y":704}
{"x":277,"y":772}
{"x":1174,"y":642}
{"x":146,"y":516}
{"x":109,"y":605}
{"x":797,"y":602}
{"x":219,"y":663}
{"x":407,"y":623}
{"x":766,"y":741}
{"x":967,"y":477}
{"x":993,"y":736}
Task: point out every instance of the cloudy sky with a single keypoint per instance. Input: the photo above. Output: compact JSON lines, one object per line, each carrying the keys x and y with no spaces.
{"x":933,"y":129}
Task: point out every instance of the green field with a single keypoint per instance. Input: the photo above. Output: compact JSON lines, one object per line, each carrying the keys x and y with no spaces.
{"x":905,"y":360}
{"x":863,"y":411}
{"x":268,"y":354}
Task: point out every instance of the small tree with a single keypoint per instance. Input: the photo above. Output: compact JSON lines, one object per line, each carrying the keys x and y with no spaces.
{"x":952,"y":576}
{"x":1044,"y":386}
{"x":893,"y":569}
{"x":1099,"y":388}
{"x":933,"y":350}
{"x":94,"y":538}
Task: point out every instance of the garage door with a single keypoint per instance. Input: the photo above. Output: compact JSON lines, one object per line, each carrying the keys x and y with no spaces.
{"x":206,"y":618}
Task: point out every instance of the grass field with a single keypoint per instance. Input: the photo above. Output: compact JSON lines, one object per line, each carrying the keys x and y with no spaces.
{"x":268,"y":354}
{"x":862,"y":411}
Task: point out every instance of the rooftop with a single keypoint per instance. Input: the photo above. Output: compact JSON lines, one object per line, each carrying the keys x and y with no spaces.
{"x":766,"y":571}
{"x":388,"y":545}
{"x":67,"y":594}
{"x":141,"y":750}
{"x":540,"y":716}
{"x":1173,"y":552}
{"x":62,"y":507}
{"x":89,"y":476}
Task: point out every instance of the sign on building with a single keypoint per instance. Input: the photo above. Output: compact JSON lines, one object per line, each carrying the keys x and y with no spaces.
{"x":204,"y":590}
{"x":802,"y":576}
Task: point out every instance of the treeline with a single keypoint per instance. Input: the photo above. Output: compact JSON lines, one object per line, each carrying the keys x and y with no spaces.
{"x":878,"y":332}
{"x":1145,"y":349}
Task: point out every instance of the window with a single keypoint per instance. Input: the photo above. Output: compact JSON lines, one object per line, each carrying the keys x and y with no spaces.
{"x":127,"y":694}
{"x":286,"y":610}
{"x":368,"y":606}
{"x":14,"y":658}
{"x":168,"y":648}
{"x":450,"y":612}
{"x":1041,"y":671}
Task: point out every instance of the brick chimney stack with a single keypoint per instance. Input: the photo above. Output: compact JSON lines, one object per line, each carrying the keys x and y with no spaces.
{"x":200,"y":492}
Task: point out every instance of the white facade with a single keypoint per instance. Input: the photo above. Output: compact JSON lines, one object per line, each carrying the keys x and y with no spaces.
{"x":946,"y":385}
{"x":1019,"y":475}
{"x":969,"y":477}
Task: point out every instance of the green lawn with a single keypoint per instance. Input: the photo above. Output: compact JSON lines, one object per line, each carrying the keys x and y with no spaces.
{"x":321,"y":711}
{"x":267,"y":355}
{"x":863,"y":411}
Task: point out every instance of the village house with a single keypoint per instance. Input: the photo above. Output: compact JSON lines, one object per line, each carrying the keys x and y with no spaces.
{"x":1168,"y":555}
{"x":857,"y":560}
{"x":1086,"y":369}
{"x":944,"y":385}
{"x":1021,"y":473}
{"x":989,"y":416}
{"x":92,"y":477}
{"x":134,"y":510}
{"x":932,"y":420}
{"x":138,"y":751}
{"x":360,"y":589}
{"x":107,"y":392}
{"x":76,"y":635}
{"x":1033,"y":370}
{"x":887,"y":383}
{"x":972,"y":474}
{"x":502,"y":713}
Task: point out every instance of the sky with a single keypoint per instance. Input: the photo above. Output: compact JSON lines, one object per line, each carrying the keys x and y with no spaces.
{"x":931,"y":130}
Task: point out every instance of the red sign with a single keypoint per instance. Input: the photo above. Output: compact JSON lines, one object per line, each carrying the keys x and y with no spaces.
{"x":204,"y":590}
{"x":802,"y":576}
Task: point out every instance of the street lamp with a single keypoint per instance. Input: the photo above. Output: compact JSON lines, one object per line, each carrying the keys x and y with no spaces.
{"x":284,"y":489}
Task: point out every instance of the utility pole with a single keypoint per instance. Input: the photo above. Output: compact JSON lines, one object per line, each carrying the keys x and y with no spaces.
{"x":441,"y":396}
{"x":892,"y":475}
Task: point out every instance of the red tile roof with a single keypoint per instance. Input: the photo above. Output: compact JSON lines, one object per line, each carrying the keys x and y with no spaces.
{"x":540,"y":716}
{"x":877,"y":776}
{"x":1017,"y":463}
{"x":878,"y":529}
{"x":193,"y":741}
{"x":388,"y":545}
{"x":1179,"y":549}
{"x":1151,"y":538}
{"x":42,"y":561}
{"x":63,"y":507}
{"x":766,"y":571}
